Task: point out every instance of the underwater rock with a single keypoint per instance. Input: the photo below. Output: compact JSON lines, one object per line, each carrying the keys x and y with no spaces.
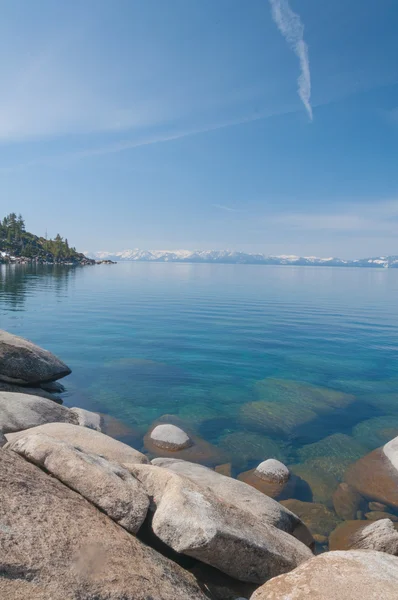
{"x":319,"y":519}
{"x":338,"y":445}
{"x":347,"y":501}
{"x":362,"y":535}
{"x":269,"y":477}
{"x":377,"y":515}
{"x":170,"y":437}
{"x":322,"y":483}
{"x":375,"y":475}
{"x":245,"y":446}
{"x":199,"y":450}
{"x":285,"y":406}
{"x":376,"y":432}
{"x":351,"y":575}
{"x":24,"y":363}
{"x":225,"y":469}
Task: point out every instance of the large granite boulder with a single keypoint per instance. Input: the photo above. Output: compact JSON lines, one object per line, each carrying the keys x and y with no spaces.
{"x":22,"y":411}
{"x":194,"y":520}
{"x":269,"y":477}
{"x":57,"y":546}
{"x":25,"y":363}
{"x":362,"y":535}
{"x":241,"y":496}
{"x":87,"y":440}
{"x":375,"y":475}
{"x":352,"y":575}
{"x":31,"y":391}
{"x":105,"y":484}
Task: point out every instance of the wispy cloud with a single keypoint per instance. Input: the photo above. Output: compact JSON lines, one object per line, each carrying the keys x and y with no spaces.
{"x":228,"y":208}
{"x":292,"y":29}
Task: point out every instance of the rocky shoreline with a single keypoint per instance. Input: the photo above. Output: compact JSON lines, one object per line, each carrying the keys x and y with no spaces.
{"x":84,"y":516}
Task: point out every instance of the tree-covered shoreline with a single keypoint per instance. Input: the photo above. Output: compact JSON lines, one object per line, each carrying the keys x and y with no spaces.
{"x":19,"y":245}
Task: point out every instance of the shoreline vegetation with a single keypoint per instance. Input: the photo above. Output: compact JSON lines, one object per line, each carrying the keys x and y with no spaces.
{"x":18,"y":246}
{"x":84,"y":515}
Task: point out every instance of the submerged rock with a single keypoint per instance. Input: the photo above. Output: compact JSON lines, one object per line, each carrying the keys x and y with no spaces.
{"x":362,"y":535}
{"x":319,"y":519}
{"x":246,"y":446}
{"x":24,"y":363}
{"x":87,"y":440}
{"x":105,"y":484}
{"x":352,"y":575}
{"x":376,"y":515}
{"x":193,"y":448}
{"x":22,"y":411}
{"x":238,"y":494}
{"x":192,"y":520}
{"x":57,"y":546}
{"x":347,"y":501}
{"x":285,"y":406}
{"x":269,"y":477}
{"x":170,"y":437}
{"x":375,"y":432}
{"x":322,"y":483}
{"x":336,"y":446}
{"x":375,"y":475}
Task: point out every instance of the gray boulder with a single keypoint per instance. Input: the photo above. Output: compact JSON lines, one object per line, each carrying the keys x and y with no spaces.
{"x":87,"y":440}
{"x":195,"y":521}
{"x":240,"y":495}
{"x":170,"y":437}
{"x":25,"y":363}
{"x":86,"y":418}
{"x":351,"y":575}
{"x":31,"y":391}
{"x":380,"y":535}
{"x":22,"y":411}
{"x":105,"y":484}
{"x":57,"y":546}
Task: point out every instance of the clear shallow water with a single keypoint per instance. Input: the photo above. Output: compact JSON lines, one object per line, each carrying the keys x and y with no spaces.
{"x":198,"y":341}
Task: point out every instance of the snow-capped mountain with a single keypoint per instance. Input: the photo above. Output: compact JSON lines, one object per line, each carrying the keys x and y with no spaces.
{"x":233,"y":257}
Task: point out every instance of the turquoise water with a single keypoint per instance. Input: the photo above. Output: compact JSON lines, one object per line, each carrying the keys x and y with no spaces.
{"x":231,"y":351}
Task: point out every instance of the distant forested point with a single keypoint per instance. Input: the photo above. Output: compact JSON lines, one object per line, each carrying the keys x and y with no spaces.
{"x":18,"y":245}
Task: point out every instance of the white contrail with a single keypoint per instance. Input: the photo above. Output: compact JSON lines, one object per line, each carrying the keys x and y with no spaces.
{"x":292,"y":29}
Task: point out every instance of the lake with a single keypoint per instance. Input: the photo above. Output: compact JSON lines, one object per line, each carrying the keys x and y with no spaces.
{"x":297,"y":363}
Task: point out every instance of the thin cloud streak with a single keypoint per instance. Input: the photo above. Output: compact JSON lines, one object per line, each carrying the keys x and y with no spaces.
{"x":228,"y":208}
{"x":292,"y":29}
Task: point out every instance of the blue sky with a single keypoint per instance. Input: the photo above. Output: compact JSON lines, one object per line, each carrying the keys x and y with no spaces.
{"x":258,"y":126}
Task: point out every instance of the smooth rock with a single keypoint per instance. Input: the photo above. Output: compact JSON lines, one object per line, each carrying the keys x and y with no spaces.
{"x":378,"y":506}
{"x":87,"y":440}
{"x":347,"y":502}
{"x":225,"y":469}
{"x":107,"y":485}
{"x":198,"y":451}
{"x":86,"y":418}
{"x":57,"y":546}
{"x":31,"y":391}
{"x":241,"y":496}
{"x":22,"y":411}
{"x":170,"y":437}
{"x":351,"y":575}
{"x":24,"y":363}
{"x":273,"y":489}
{"x":272,"y":470}
{"x":361,"y":535}
{"x":376,"y":515}
{"x":319,"y":519}
{"x":195,"y":521}
{"x":375,"y":475}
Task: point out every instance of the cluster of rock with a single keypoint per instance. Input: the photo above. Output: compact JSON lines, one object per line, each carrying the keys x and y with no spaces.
{"x":84,"y":516}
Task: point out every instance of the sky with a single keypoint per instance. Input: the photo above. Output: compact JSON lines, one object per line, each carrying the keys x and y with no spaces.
{"x":262,"y":126}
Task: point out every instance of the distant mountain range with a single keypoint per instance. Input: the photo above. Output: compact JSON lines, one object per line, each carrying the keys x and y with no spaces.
{"x":232,"y":257}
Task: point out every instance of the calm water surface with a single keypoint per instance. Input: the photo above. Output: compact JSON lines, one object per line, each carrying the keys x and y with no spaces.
{"x":233,"y":351}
